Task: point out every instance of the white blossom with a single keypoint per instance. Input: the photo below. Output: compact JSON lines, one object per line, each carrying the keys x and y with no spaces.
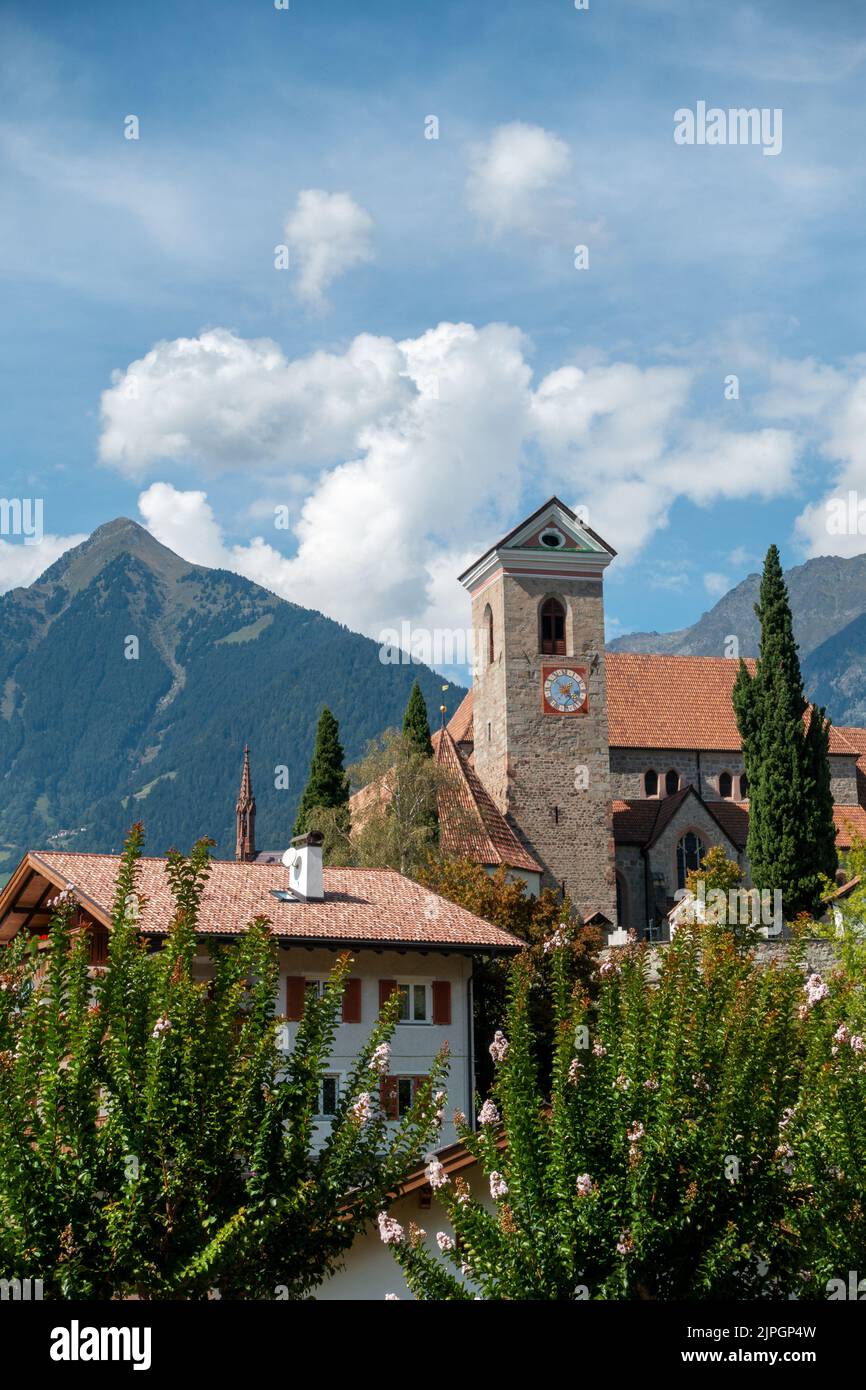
{"x":390,"y":1231}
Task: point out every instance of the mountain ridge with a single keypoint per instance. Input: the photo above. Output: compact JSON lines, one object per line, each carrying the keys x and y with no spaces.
{"x":98,"y":730}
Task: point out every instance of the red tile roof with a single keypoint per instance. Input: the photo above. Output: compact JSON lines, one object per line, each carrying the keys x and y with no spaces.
{"x":470,"y":823}
{"x":360,"y":907}
{"x":460,"y":723}
{"x":667,"y":702}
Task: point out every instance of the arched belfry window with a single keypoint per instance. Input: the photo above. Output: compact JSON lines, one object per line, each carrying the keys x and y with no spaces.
{"x":553,"y":627}
{"x":651,"y":783}
{"x":672,"y":782}
{"x":744,"y":786}
{"x":726,"y":785}
{"x":488,"y":634}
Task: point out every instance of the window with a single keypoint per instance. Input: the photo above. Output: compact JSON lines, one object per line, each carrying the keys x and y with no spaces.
{"x":552,"y":538}
{"x":672,"y":782}
{"x":651,"y":783}
{"x":744,"y":786}
{"x":488,"y":633}
{"x":726,"y":785}
{"x":405,"y":1095}
{"x":414,"y":1003}
{"x":329,"y":1095}
{"x":690,"y":852}
{"x":553,"y":627}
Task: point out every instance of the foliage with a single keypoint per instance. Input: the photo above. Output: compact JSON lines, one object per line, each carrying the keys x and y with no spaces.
{"x":394,"y":821}
{"x":690,"y":1145}
{"x":416,"y":725}
{"x":505,"y":903}
{"x":327,"y":785}
{"x":154,"y":1138}
{"x":791,"y":842}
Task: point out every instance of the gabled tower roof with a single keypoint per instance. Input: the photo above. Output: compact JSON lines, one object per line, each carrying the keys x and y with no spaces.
{"x":553,"y":540}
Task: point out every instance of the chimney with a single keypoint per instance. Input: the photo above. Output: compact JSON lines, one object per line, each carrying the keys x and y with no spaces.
{"x":303,"y":859}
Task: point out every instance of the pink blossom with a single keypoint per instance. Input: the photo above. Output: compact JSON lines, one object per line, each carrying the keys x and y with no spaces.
{"x":584,"y":1185}
{"x":841,"y":1035}
{"x":599,"y":1050}
{"x":559,"y":938}
{"x":436,"y":1175}
{"x":575,"y":1067}
{"x":381,"y":1059}
{"x":635,"y":1132}
{"x":699,"y":1081}
{"x":622,"y":1082}
{"x":160,"y":1028}
{"x":651,"y":1084}
{"x":498,"y":1186}
{"x":392,"y":1298}
{"x":391,"y":1231}
{"x":444,"y":1242}
{"x":488,"y":1114}
{"x":362,"y":1108}
{"x":499,"y":1047}
{"x":816,"y":989}
{"x":857,"y":1043}
{"x":610,"y":967}
{"x":625,"y":1244}
{"x":786,"y":1118}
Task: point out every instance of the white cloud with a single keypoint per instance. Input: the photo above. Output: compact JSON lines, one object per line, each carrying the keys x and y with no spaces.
{"x":21,"y":564}
{"x":513,"y":177}
{"x":401,"y":460}
{"x":227,"y":402}
{"x":716,"y":584}
{"x":327,"y":234}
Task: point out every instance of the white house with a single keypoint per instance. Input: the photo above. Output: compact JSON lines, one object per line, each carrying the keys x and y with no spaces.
{"x":399,"y":934}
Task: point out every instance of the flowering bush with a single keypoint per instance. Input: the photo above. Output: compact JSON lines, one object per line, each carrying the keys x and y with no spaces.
{"x":687,"y":1148}
{"x":153,"y":1138}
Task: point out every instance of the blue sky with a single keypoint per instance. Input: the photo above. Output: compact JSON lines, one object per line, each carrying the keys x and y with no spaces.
{"x":351,"y":430}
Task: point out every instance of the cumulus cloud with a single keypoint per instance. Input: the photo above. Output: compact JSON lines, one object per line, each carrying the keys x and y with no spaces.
{"x":226,"y":403}
{"x":408,"y":457}
{"x":327,"y":234}
{"x":514,"y":176}
{"x":20,"y":564}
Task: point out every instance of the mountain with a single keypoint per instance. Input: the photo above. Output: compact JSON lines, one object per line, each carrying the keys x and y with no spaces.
{"x":828,"y":603}
{"x":94,"y":737}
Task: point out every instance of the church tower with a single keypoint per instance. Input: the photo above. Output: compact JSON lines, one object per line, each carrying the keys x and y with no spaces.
{"x":540,"y":700}
{"x":245,"y":815}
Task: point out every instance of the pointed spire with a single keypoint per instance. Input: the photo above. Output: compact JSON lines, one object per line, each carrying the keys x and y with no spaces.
{"x":245,"y":814}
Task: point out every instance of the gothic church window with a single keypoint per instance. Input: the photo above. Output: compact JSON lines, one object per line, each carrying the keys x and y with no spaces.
{"x":690,"y":852}
{"x":553,"y":627}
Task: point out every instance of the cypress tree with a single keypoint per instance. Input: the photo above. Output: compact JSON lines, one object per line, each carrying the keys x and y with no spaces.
{"x":327,"y":784}
{"x":416,"y":726}
{"x":791,"y":838}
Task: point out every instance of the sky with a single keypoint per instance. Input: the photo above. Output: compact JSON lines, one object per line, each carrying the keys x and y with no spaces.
{"x":333,"y":295}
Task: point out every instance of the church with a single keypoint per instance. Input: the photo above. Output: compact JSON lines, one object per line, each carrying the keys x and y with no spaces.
{"x":606,"y":775}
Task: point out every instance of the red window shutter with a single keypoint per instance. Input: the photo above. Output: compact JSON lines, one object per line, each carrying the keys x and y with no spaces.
{"x":388,"y":1097}
{"x":386,"y":989}
{"x":352,"y":1002}
{"x":441,"y":1001}
{"x":295,"y":987}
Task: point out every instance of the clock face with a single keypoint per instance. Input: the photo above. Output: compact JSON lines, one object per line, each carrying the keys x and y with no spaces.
{"x":564,"y":690}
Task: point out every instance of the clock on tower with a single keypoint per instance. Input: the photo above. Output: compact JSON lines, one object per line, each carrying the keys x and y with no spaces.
{"x":563,"y":689}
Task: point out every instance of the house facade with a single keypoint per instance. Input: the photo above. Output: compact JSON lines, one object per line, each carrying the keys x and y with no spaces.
{"x":399,"y":935}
